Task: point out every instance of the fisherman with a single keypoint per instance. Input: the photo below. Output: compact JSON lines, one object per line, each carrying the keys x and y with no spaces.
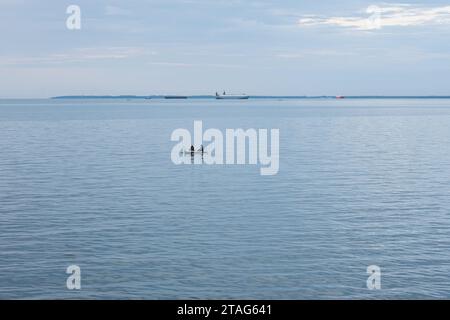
{"x":192,"y":150}
{"x":201,"y":149}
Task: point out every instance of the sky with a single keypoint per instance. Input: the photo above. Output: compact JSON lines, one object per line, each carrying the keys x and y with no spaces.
{"x":258,"y":47}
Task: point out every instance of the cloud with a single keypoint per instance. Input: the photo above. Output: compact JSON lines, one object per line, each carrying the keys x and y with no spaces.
{"x":11,"y":2}
{"x":195,"y":65}
{"x":116,"y":11}
{"x":368,"y":55}
{"x":78,"y":55}
{"x":376,"y":17}
{"x":314,"y":53}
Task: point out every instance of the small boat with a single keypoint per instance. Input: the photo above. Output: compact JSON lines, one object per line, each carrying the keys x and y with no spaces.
{"x":340,"y":97}
{"x":192,"y":152}
{"x":231,"y":96}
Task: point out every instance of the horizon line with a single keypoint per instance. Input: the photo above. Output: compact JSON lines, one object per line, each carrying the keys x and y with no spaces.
{"x":206,"y":96}
{"x":210,"y":96}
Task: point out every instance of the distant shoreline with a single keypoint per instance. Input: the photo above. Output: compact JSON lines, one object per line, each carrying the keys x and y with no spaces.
{"x":136,"y":97}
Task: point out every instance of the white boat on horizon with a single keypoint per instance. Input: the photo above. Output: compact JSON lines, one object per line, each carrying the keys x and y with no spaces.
{"x":231,"y":96}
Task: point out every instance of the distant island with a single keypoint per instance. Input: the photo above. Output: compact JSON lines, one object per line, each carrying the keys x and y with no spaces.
{"x":103,"y":97}
{"x":133,"y":97}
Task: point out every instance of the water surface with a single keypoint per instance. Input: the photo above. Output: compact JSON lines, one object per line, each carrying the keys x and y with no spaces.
{"x":91,"y":183}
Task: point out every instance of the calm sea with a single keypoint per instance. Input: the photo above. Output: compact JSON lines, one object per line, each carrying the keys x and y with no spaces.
{"x":91,"y":183}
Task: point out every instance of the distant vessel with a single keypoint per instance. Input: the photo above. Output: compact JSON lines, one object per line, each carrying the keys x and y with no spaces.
{"x":231,"y":96}
{"x":175,"y":97}
{"x":340,"y":97}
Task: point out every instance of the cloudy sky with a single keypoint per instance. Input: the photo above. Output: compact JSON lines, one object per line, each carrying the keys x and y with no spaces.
{"x":274,"y":47}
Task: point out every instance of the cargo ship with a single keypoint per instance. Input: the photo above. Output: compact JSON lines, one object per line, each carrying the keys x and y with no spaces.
{"x":224,"y":96}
